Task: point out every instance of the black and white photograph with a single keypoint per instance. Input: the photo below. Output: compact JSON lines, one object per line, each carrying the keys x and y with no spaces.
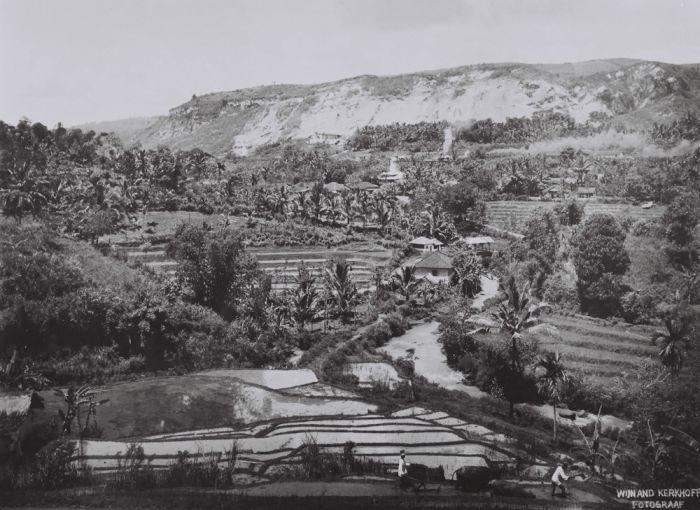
{"x":350,"y":254}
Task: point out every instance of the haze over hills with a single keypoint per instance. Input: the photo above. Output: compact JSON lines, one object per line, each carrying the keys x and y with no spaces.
{"x":627,"y":92}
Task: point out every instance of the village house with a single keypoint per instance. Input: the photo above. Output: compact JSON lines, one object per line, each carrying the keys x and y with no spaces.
{"x":425,"y":244}
{"x":479,"y":243}
{"x":585,"y":192}
{"x":435,"y":267}
{"x":325,"y":138}
{"x":364,"y":186}
{"x":394,"y":174}
{"x":335,"y":187}
{"x":553,"y":192}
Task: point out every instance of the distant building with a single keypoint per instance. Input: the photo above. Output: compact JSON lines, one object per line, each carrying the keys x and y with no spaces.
{"x":585,"y":192}
{"x":335,"y":187}
{"x":364,"y":186}
{"x":480,"y":243}
{"x":301,"y":187}
{"x":553,"y":192}
{"x":425,"y":244}
{"x":325,"y":138}
{"x":394,"y":174}
{"x":435,"y":267}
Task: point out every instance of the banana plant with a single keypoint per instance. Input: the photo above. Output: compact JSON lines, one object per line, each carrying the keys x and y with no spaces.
{"x":75,"y":398}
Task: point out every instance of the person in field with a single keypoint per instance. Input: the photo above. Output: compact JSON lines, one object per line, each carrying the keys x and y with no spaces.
{"x":404,"y":479}
{"x":558,"y":479}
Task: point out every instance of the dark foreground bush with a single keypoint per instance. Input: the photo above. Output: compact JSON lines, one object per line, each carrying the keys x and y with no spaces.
{"x":53,"y":467}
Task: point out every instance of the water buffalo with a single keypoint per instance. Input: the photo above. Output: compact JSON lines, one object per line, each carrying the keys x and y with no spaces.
{"x":474,"y":478}
{"x":424,"y":474}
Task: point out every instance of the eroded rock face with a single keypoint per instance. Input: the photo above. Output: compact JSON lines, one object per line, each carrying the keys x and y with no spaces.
{"x":328,"y":113}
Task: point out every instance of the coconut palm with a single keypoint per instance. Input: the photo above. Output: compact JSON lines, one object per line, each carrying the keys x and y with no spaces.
{"x":551,"y":382}
{"x":434,"y":224}
{"x":674,"y":341}
{"x":25,"y":191}
{"x":342,"y":289}
{"x":332,"y":208}
{"x":363,"y":205}
{"x":405,"y":282}
{"x":303,"y":299}
{"x":315,"y":201}
{"x":347,"y":206}
{"x":384,"y":209}
{"x":515,"y":316}
{"x":298,"y":205}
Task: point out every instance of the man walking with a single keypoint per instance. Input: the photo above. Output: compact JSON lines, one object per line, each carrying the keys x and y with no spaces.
{"x":404,"y":479}
{"x":558,"y":479}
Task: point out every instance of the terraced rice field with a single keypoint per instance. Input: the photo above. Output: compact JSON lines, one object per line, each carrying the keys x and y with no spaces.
{"x":597,"y":350}
{"x":270,"y":428}
{"x":282,"y":264}
{"x":280,"y":443}
{"x":513,"y":215}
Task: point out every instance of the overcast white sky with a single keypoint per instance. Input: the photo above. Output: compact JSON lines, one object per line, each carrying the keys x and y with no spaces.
{"x":83,"y":60}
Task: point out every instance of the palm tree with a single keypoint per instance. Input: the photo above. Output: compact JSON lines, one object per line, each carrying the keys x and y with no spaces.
{"x":674,"y":341}
{"x":405,"y":281}
{"x":363,"y":205}
{"x":551,"y":383}
{"x":332,"y":208}
{"x":315,"y":201}
{"x":384,"y":210}
{"x":25,"y":191}
{"x":436,"y":225}
{"x":347,"y":206}
{"x":298,"y":205}
{"x":515,"y":316}
{"x":342,"y":289}
{"x":303,"y":299}
{"x":407,"y":368}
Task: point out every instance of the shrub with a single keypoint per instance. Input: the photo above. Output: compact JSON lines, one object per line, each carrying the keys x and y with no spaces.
{"x":570,"y":213}
{"x":53,"y":467}
{"x":317,"y":464}
{"x":455,"y":341}
{"x":647,"y":228}
{"x":134,"y":470}
{"x":378,"y":334}
{"x":560,"y":291}
{"x":639,"y":307}
{"x":397,"y":323}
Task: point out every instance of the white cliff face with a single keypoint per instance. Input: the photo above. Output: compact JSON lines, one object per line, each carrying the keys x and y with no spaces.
{"x":243,"y":120}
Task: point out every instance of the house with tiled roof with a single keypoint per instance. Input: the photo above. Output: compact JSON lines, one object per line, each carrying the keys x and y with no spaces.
{"x":435,"y":267}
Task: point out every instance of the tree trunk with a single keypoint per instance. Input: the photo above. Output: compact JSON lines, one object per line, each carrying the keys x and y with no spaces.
{"x":554,"y":418}
{"x":510,"y":409}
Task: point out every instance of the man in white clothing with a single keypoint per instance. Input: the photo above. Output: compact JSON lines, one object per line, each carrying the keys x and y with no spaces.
{"x":404,"y":479}
{"x":558,"y":479}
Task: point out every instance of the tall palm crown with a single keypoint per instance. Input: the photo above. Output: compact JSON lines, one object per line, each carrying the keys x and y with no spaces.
{"x":342,"y":288}
{"x":551,"y":382}
{"x":554,"y":376}
{"x":674,"y":341}
{"x":405,"y":281}
{"x":516,"y":314}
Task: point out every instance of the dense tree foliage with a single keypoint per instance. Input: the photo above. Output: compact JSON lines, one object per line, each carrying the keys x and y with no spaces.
{"x":420,"y":137}
{"x":214,"y":270}
{"x":522,"y":129}
{"x":687,"y":127}
{"x":600,"y":260}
